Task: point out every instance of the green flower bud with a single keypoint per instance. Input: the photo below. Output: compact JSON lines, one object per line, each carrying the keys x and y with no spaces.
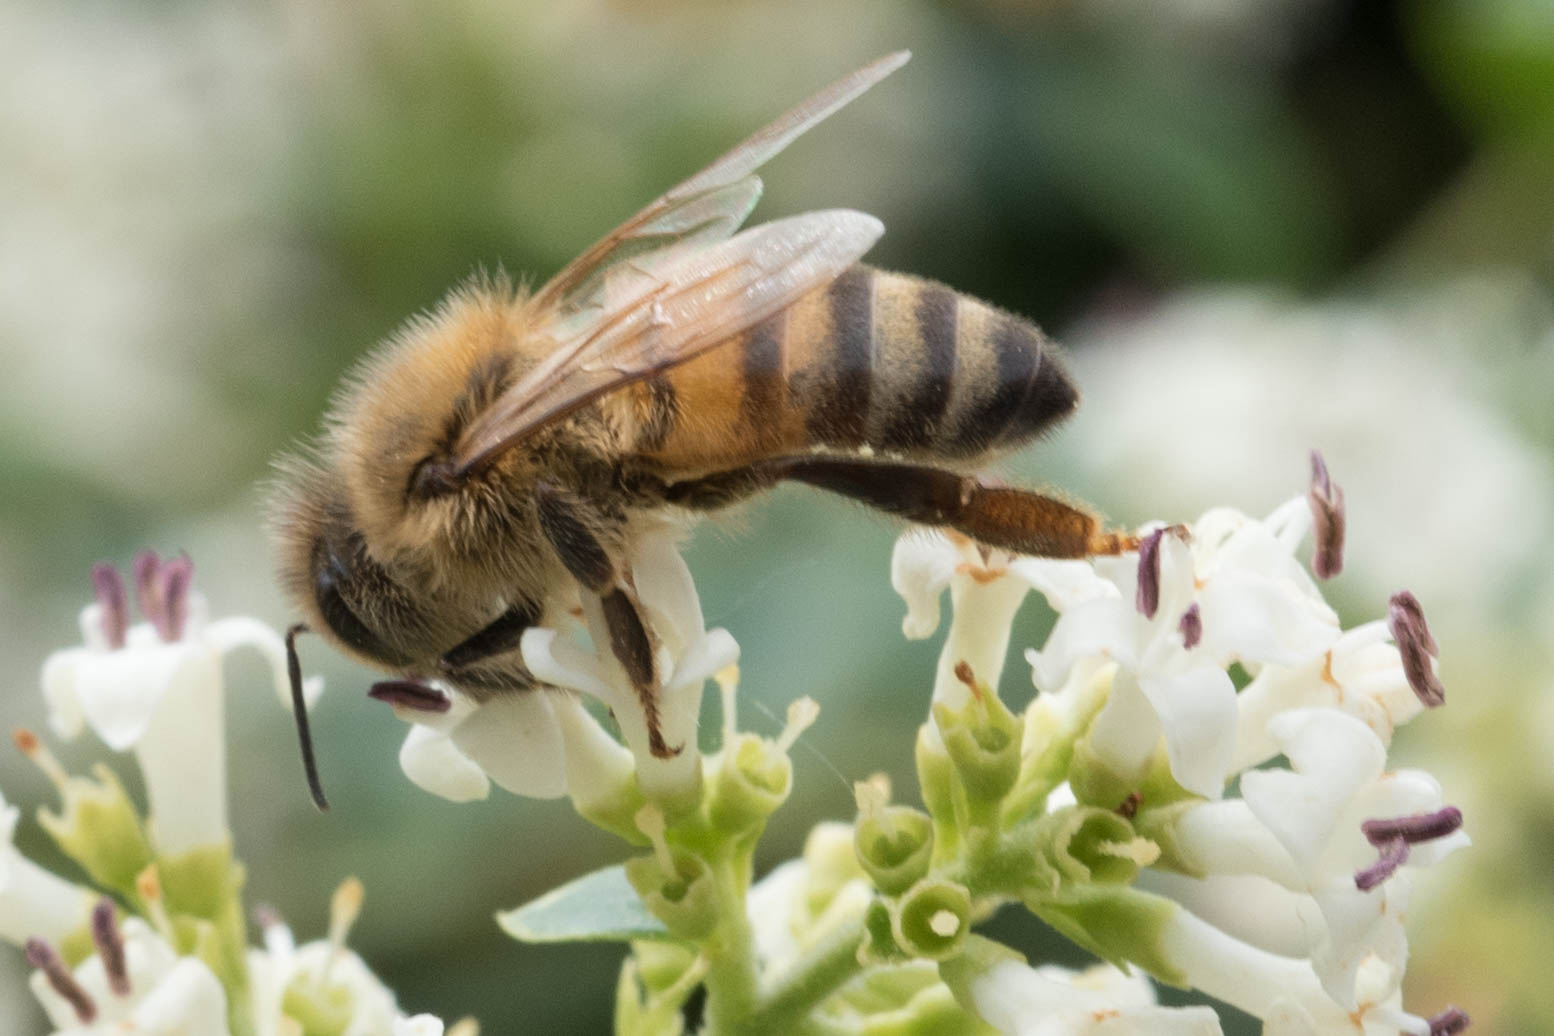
{"x":753,"y":779}
{"x":660,"y":964}
{"x":99,"y":829}
{"x":983,"y":740}
{"x":932,"y":918}
{"x":895,"y":845}
{"x":684,"y":900}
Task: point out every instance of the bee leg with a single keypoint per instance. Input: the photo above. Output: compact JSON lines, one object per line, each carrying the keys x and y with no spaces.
{"x":999,"y":516}
{"x":569,"y":525}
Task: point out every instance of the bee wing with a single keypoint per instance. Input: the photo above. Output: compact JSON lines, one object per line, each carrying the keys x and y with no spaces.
{"x":663,"y":311}
{"x":709,"y":206}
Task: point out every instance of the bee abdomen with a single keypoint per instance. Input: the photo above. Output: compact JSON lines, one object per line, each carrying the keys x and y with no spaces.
{"x":873,"y":362}
{"x":908,"y":367}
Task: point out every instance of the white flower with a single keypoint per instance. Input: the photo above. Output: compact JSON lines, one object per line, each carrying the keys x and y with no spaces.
{"x":156,"y":688}
{"x":159,"y":993}
{"x":1234,"y":594}
{"x":1301,"y":829}
{"x":35,"y":903}
{"x":1101,"y":1001}
{"x":687,"y":655}
{"x":986,"y":587}
{"x":329,"y":977}
{"x":545,"y":743}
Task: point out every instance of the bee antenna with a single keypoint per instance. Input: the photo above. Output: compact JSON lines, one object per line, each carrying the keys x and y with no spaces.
{"x":299,"y":709}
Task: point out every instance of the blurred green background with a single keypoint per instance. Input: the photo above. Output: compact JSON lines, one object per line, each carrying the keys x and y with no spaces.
{"x":1259,"y":225}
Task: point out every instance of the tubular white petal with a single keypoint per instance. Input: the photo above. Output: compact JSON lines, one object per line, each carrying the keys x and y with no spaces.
{"x":188,"y":1000}
{"x":921,"y":565}
{"x":420,"y":1025}
{"x":239,"y":631}
{"x":1197,"y":714}
{"x":433,"y":762}
{"x":1052,"y":1001}
{"x":516,"y":740}
{"x":1249,"y":907}
{"x":979,"y":635}
{"x":597,"y":764}
{"x":34,"y":901}
{"x":182,"y":752}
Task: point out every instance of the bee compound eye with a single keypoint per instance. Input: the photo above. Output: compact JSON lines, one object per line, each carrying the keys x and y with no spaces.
{"x":333,"y":577}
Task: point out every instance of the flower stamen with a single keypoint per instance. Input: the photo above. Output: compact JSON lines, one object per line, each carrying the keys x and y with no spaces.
{"x":650,"y":821}
{"x":148,"y":885}
{"x":1420,"y":827}
{"x":345,"y":906}
{"x":1191,"y":626}
{"x":1393,"y":854}
{"x":148,"y":586}
{"x":1449,"y":1022}
{"x":728,"y":687}
{"x":110,"y":946}
{"x":108,"y":585}
{"x":1405,"y":618}
{"x":1147,"y":598}
{"x":1326,"y":499}
{"x":29,"y":745}
{"x":802,"y":714}
{"x":175,"y":579}
{"x":44,"y":957}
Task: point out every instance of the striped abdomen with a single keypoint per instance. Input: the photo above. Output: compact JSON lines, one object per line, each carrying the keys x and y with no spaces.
{"x":874,"y":362}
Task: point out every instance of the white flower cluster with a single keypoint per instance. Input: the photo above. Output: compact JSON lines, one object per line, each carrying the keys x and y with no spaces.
{"x":1285,"y":843}
{"x":156,"y":688}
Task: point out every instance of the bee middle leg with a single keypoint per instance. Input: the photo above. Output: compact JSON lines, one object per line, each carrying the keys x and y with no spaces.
{"x":572,"y":528}
{"x":1018,"y":520}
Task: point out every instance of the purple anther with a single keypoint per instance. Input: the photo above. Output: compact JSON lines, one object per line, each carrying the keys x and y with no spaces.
{"x":1420,"y":827}
{"x":42,"y":956}
{"x":1405,"y":618}
{"x":1148,"y":597}
{"x":148,"y":588}
{"x":1450,"y":1022}
{"x":108,"y":585}
{"x":1191,"y":626}
{"x":1326,"y":499}
{"x":174,"y":579}
{"x":266,"y":916}
{"x":110,"y":946}
{"x":408,"y":694}
{"x":1393,"y":855}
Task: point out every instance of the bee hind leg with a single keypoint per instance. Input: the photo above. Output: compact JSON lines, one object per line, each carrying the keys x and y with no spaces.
{"x":1018,"y":520}
{"x":572,"y":529}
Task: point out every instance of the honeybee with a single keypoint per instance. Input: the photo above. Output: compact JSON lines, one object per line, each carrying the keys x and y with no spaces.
{"x":495,"y":457}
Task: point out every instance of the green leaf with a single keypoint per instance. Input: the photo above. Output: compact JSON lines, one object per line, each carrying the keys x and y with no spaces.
{"x":601,"y":906}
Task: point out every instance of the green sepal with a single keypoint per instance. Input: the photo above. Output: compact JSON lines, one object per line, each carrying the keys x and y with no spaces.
{"x":751,"y":781}
{"x":616,"y":813}
{"x":1086,"y":844}
{"x":686,"y":901}
{"x":99,"y":828}
{"x":203,"y":887}
{"x":660,"y":964}
{"x":936,"y":783}
{"x":932,"y":1011}
{"x":601,"y":906}
{"x":320,"y":1010}
{"x":1097,"y":784}
{"x":983,"y":741}
{"x":879,"y":941}
{"x":1160,"y":826}
{"x":637,"y":1011}
{"x":912,"y":918}
{"x":1117,"y":923}
{"x":895,"y":847}
{"x":1052,"y":725}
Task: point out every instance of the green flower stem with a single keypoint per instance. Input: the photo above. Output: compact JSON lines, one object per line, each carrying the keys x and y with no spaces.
{"x":730,"y":949}
{"x":785,"y":1006}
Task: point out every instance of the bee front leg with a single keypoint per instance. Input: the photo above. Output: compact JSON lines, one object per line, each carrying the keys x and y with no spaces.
{"x":573,"y":528}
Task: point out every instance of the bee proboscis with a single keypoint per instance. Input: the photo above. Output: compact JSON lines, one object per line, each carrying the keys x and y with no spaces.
{"x":492,"y":461}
